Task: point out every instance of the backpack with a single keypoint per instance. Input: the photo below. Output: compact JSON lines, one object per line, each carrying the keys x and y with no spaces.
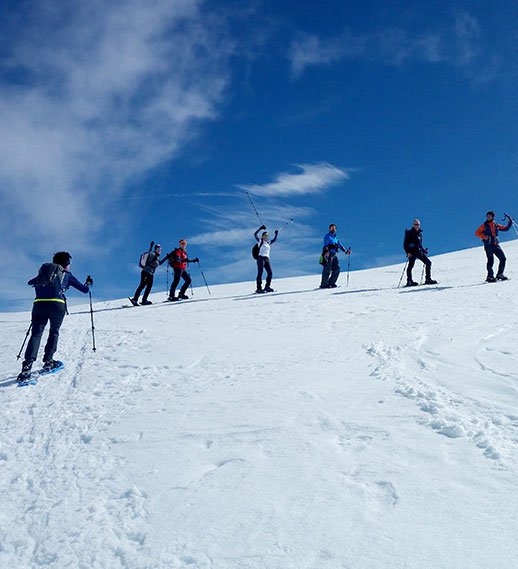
{"x":171,"y":257}
{"x":51,"y":276}
{"x":255,"y":251}
{"x":143,"y":259}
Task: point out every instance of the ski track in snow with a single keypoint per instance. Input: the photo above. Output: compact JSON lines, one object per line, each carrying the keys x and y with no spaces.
{"x":273,"y":432}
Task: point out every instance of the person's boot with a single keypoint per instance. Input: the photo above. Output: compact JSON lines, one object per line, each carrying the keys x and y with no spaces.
{"x":259,"y":290}
{"x":268,"y":289}
{"x":133,"y":301}
{"x":411,"y":283}
{"x":429,"y":280}
{"x":50,"y":365}
{"x":183,"y":296}
{"x":146,"y":302}
{"x":25,"y":374}
{"x":490,"y":280}
{"x":501,"y":278}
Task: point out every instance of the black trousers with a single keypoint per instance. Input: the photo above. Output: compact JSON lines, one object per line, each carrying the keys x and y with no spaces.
{"x":180,"y":274}
{"x":330,"y":270}
{"x":146,"y":280}
{"x":493,"y":251}
{"x":43,"y":312}
{"x":424,"y":259}
{"x":263,"y":263}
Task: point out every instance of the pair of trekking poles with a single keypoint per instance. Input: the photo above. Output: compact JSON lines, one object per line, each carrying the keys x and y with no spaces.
{"x":91,"y":318}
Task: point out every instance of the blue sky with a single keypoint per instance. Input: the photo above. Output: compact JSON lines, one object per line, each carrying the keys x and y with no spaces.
{"x":125,"y":121}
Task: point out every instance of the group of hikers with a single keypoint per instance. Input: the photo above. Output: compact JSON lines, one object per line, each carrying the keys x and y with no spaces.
{"x":55,"y":278}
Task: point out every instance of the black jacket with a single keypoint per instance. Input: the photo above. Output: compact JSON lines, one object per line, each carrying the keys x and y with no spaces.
{"x":413,"y":242}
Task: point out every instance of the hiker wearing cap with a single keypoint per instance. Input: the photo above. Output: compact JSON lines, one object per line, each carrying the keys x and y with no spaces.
{"x":263,"y":259}
{"x":49,"y":306}
{"x":147,"y":275}
{"x":178,"y":260}
{"x":488,"y":232}
{"x":330,"y":262}
{"x":413,"y":246}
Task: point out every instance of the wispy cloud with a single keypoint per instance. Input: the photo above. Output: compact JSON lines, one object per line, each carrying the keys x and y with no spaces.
{"x":311,"y":179}
{"x":93,"y":96}
{"x":457,"y":45}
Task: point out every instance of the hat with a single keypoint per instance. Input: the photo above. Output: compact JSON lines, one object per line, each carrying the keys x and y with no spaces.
{"x":62,"y":258}
{"x":491,"y":213}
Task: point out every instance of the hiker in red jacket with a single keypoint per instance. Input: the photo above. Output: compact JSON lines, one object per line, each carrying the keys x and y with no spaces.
{"x":178,"y":260}
{"x":488,"y":232}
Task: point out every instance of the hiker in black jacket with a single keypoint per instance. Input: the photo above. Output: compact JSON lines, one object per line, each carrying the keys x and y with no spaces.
{"x":413,"y":246}
{"x":147,"y":275}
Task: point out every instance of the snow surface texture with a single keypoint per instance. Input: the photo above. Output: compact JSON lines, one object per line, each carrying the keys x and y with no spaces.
{"x":358,"y":428}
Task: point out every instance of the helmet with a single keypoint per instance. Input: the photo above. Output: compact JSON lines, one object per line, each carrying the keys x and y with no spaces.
{"x":62,"y":258}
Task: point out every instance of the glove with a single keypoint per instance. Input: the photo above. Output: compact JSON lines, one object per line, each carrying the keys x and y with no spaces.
{"x":195,"y":260}
{"x":348,"y":252}
{"x":276,"y":232}
{"x":426,"y":251}
{"x":262,"y":227}
{"x":89,"y":281}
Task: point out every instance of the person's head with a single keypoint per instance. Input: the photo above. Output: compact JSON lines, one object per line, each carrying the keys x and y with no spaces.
{"x":62,"y":258}
{"x":183,"y":243}
{"x":265,"y":235}
{"x":416,"y":224}
{"x":490,"y":215}
{"x":158,"y":249}
{"x":332,"y":228}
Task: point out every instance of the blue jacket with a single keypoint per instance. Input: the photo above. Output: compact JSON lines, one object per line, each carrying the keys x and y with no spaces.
{"x":56,"y":293}
{"x":332,"y":244}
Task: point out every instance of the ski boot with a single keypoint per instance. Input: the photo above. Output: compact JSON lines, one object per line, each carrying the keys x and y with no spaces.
{"x":501,"y":278}
{"x":411,"y":283}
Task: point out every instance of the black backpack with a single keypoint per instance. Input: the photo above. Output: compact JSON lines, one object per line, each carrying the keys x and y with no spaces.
{"x":51,"y":276}
{"x":255,"y":251}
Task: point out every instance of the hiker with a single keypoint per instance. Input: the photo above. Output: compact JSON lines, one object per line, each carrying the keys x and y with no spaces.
{"x":151,"y":263}
{"x":263,"y":259}
{"x":413,"y":246}
{"x":178,"y":260}
{"x":49,"y":306}
{"x":329,"y":258}
{"x":488,"y":232}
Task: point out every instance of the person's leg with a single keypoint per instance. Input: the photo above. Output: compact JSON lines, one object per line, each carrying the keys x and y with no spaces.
{"x":410,"y":266}
{"x":56,"y":315}
{"x":326,"y":271}
{"x":259,"y":278}
{"x":176,"y":280}
{"x":501,"y":260}
{"x":428,"y":265}
{"x":141,"y":286}
{"x":186,"y":282}
{"x":149,"y":286}
{"x":39,"y":321}
{"x":269,"y":273}
{"x":490,"y":261}
{"x":335,"y":271}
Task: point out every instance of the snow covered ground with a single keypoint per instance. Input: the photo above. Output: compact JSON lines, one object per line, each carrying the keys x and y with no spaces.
{"x":359,"y":428}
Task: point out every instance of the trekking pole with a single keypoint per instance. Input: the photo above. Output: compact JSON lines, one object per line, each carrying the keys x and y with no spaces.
{"x":401,"y":277}
{"x":515,"y":225}
{"x":167,"y":285}
{"x":285,"y":224}
{"x":26,"y":336}
{"x":92,"y":318}
{"x":201,"y":271}
{"x":422,"y":275}
{"x":348,"y":268}
{"x":255,"y":209}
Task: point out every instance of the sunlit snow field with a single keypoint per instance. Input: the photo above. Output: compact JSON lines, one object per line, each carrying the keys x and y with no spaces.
{"x":366,"y":427}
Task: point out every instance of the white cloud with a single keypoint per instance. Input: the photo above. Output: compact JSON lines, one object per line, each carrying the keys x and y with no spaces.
{"x":312,"y":179}
{"x":457,"y":45}
{"x":99,"y":93}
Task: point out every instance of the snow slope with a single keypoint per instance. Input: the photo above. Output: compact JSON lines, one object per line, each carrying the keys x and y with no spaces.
{"x":364,"y":427}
